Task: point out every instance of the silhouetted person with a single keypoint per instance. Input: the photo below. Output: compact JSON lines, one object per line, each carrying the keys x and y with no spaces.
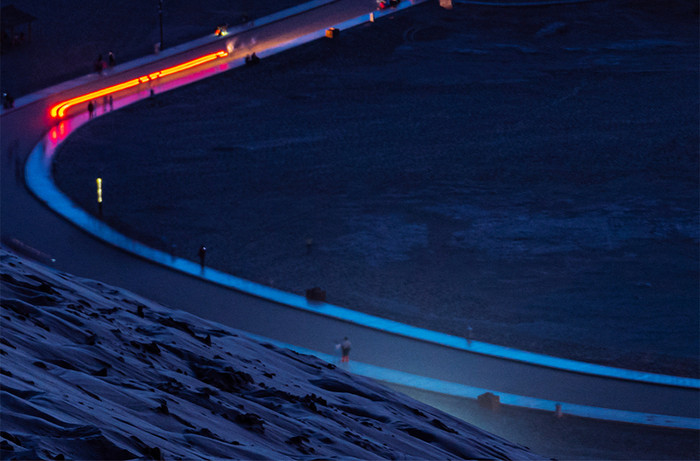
{"x":111,"y":60}
{"x":202,"y":254}
{"x":345,"y":347}
{"x":100,"y":65}
{"x":8,"y":102}
{"x":91,"y":109}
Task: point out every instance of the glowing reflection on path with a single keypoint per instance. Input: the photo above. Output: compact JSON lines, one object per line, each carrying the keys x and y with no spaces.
{"x":59,"y":110}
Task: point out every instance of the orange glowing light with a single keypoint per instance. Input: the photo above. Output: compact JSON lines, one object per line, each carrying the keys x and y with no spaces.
{"x":60,"y":109}
{"x":193,"y":63}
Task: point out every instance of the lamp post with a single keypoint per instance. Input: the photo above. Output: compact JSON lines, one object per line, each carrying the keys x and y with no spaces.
{"x":99,"y":196}
{"x":160,"y":17}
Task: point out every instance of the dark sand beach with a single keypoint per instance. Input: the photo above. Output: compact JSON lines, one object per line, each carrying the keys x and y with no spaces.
{"x":529,"y":172}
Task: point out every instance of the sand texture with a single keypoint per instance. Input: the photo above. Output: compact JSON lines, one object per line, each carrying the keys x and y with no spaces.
{"x":90,"y":371}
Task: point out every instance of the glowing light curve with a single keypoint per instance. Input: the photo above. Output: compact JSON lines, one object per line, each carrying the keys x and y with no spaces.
{"x":59,"y":110}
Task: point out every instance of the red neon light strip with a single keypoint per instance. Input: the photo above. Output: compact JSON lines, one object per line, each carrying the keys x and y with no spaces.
{"x":59,"y":110}
{"x":190,"y":64}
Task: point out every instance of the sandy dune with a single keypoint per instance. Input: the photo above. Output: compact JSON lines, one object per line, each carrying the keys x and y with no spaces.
{"x":90,"y":371}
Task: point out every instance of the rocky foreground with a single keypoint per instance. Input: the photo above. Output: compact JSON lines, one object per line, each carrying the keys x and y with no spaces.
{"x":90,"y":371}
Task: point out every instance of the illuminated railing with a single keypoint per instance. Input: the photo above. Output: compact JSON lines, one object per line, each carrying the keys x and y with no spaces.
{"x":60,"y":109}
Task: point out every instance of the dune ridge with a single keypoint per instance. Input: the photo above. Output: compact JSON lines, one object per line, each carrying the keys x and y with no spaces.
{"x":91,"y":371}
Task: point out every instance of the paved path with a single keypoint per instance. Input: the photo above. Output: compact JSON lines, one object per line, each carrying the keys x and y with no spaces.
{"x":387,"y":350}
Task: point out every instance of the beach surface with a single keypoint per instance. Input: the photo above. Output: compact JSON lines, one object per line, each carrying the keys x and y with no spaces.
{"x":530,"y":173}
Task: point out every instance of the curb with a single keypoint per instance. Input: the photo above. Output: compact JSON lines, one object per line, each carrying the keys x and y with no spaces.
{"x":439,"y":386}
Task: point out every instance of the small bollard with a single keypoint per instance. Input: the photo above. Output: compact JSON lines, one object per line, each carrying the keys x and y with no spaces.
{"x":558,"y":411}
{"x":489,"y":400}
{"x":316,"y":294}
{"x":332,"y":33}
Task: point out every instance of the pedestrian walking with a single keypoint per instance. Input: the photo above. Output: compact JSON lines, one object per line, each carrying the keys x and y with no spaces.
{"x":111,"y":103}
{"x":111,"y":59}
{"x":202,"y":254}
{"x":105,"y":102}
{"x":345,"y":347}
{"x":91,"y":109}
{"x":8,"y":101}
{"x":100,"y":65}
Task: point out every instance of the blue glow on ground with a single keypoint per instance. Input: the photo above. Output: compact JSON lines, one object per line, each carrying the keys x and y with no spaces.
{"x":40,"y":182}
{"x":462,"y":390}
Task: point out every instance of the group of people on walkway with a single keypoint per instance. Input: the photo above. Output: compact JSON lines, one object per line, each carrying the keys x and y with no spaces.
{"x":100,"y":65}
{"x":107,"y":102}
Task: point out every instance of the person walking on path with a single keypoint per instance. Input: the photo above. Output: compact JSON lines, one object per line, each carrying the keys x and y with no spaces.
{"x":345,"y":347}
{"x":91,"y":109}
{"x":100,"y":65}
{"x":202,"y":254}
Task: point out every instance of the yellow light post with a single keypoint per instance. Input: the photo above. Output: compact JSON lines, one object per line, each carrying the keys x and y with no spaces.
{"x":99,"y":196}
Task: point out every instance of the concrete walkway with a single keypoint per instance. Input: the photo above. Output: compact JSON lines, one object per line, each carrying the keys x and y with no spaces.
{"x":519,"y":378}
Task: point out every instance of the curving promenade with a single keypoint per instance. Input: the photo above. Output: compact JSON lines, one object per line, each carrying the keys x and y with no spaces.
{"x":385,"y":350}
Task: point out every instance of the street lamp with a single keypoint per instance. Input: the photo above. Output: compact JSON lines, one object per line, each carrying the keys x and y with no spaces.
{"x":160,"y":17}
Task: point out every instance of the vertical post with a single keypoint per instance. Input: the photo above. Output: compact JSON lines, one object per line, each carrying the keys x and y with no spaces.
{"x":99,"y":196}
{"x":160,"y":18}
